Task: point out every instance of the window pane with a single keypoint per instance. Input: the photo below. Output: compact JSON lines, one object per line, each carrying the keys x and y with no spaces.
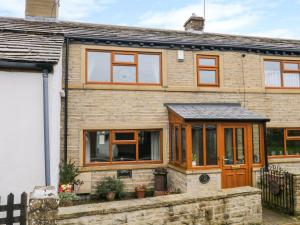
{"x":149,"y":145}
{"x":149,"y":68}
{"x":123,"y":152}
{"x":228,"y":138}
{"x":207,"y":62}
{"x":124,"y":74}
{"x":207,"y":77}
{"x":183,"y":144}
{"x":240,"y":154}
{"x":99,"y":66}
{"x":294,"y":133}
{"x":256,"y":143}
{"x":197,"y":144}
{"x":97,"y":146}
{"x":291,"y":79}
{"x":293,"y":147}
{"x":124,"y":58}
{"x":124,"y":136}
{"x":272,"y":74}
{"x":177,"y":143}
{"x":275,"y":141}
{"x":291,"y":66}
{"x":172,"y":143}
{"x":211,"y":145}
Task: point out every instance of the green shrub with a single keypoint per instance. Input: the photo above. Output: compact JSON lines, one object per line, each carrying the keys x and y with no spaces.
{"x":68,"y":172}
{"x":67,"y":198}
{"x":109,"y":184}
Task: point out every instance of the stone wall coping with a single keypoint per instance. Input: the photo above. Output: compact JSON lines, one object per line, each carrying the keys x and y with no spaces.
{"x":149,"y":203}
{"x":188,"y":172}
{"x":284,"y":160}
{"x":43,"y":192}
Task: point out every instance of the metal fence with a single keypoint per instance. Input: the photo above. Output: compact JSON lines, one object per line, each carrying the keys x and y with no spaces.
{"x":277,"y":187}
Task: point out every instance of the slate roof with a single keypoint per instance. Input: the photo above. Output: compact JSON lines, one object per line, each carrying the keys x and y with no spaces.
{"x":29,"y":47}
{"x":215,"y":112}
{"x":148,"y":36}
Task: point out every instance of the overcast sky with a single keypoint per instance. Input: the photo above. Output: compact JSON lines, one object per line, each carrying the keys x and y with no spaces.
{"x":274,"y":18}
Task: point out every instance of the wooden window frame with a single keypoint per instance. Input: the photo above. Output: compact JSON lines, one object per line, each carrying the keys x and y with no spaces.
{"x":205,"y":166}
{"x":114,"y":63}
{"x":123,"y":142}
{"x":282,"y":71}
{"x":215,"y":68}
{"x":261,"y":145}
{"x":178,"y":162}
{"x":285,"y":139}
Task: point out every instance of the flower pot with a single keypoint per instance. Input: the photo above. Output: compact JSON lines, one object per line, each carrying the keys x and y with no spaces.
{"x":110,"y":196}
{"x":194,"y":163}
{"x":140,"y":193}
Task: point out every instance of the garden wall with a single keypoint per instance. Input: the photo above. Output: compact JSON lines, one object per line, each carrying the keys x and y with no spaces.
{"x":231,"y":206}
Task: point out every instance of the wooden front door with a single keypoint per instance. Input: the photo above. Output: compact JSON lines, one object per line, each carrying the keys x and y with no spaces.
{"x":234,"y":153}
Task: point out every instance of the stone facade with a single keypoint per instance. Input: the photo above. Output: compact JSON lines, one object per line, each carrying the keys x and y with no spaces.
{"x":94,"y":106}
{"x":189,"y":181}
{"x":233,"y":206}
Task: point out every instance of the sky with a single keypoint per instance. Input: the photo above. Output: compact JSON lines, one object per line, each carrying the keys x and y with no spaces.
{"x":269,"y":18}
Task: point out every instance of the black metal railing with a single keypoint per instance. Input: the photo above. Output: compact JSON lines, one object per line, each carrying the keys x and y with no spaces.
{"x":277,"y":187}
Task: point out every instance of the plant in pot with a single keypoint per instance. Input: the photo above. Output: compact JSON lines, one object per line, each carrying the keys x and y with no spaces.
{"x":140,"y":191}
{"x":109,"y":188}
{"x":194,"y":159}
{"x":67,"y":176}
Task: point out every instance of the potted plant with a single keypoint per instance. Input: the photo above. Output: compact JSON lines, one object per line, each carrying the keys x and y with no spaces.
{"x":67,"y":176}
{"x":194,"y":159}
{"x":140,"y":191}
{"x":109,"y":188}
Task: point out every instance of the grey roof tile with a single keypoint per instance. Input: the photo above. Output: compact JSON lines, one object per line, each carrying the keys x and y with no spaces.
{"x":215,"y":111}
{"x":28,"y":47}
{"x":124,"y":33}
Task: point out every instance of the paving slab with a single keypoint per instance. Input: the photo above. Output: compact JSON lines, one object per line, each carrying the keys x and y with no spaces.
{"x":271,"y":217}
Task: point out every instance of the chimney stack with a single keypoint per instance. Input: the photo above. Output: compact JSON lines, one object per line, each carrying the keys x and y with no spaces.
{"x":46,"y":10}
{"x":194,"y":23}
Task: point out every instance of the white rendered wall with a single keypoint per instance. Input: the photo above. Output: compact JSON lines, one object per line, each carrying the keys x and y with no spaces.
{"x":22,"y":134}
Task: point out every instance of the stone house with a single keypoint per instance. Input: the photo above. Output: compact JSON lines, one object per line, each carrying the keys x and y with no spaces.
{"x":194,"y":102}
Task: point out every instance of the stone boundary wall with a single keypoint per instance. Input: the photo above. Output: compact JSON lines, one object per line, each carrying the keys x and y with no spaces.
{"x":232,"y":206}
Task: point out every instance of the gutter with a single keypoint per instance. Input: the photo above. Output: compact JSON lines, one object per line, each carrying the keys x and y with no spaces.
{"x":66,"y":102}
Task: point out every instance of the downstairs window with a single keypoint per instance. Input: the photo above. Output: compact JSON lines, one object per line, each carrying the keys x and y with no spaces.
{"x":115,"y":146}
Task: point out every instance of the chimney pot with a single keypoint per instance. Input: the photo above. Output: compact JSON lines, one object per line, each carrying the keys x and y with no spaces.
{"x":194,"y":23}
{"x":46,"y":10}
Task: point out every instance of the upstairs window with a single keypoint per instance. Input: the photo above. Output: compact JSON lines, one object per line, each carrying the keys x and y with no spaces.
{"x":208,"y":70}
{"x":282,"y":74}
{"x":113,"y":67}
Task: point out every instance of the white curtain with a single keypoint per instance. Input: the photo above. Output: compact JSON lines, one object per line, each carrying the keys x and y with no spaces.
{"x":155,"y":146}
{"x":272,"y":78}
{"x":291,"y":79}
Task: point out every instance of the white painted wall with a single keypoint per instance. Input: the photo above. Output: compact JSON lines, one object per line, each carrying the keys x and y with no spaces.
{"x":22,"y":133}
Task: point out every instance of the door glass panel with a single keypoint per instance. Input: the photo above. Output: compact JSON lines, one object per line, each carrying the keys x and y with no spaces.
{"x":228,"y":138}
{"x":256,"y":143}
{"x":197,"y":145}
{"x":211,"y":145}
{"x":240,"y":154}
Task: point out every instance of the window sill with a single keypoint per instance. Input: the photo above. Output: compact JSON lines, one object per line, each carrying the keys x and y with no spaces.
{"x":127,"y":166}
{"x":284,"y":159}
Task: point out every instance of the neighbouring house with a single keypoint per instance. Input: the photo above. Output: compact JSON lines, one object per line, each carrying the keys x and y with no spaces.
{"x":194,"y":102}
{"x":30,"y":89}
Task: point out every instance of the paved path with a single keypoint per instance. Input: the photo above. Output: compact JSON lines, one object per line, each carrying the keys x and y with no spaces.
{"x":276,"y":218}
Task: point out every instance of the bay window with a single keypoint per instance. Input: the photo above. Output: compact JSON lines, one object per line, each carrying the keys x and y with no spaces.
{"x":282,"y":74}
{"x":113,"y":146}
{"x":114,"y":67}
